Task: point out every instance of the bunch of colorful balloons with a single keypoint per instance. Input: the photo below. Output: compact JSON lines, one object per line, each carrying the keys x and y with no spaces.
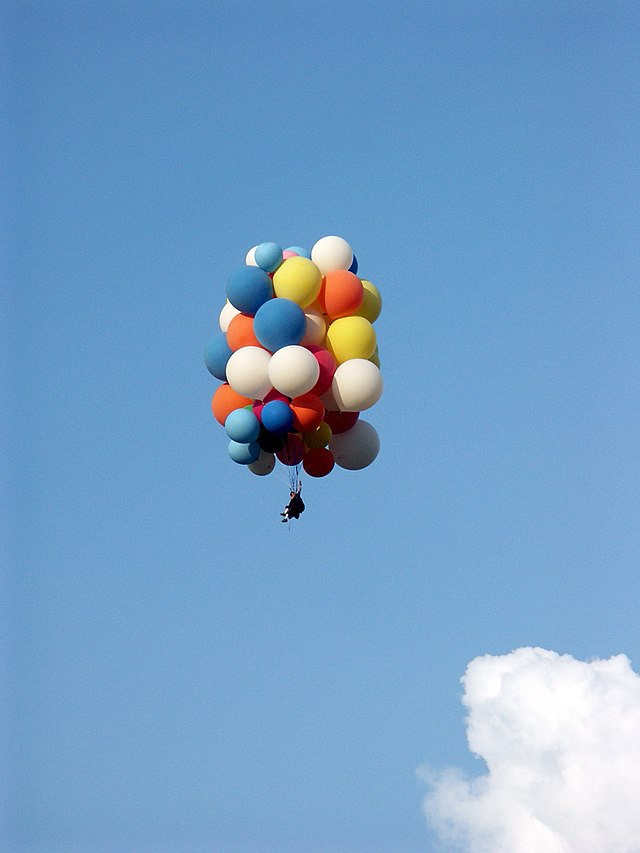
{"x":298,"y":359}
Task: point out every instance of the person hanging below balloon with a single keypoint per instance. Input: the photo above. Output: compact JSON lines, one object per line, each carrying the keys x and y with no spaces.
{"x":294,"y":507}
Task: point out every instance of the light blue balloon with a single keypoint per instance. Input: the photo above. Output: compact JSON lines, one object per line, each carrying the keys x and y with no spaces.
{"x":303,"y":253}
{"x":279,"y":323}
{"x":242,"y":426}
{"x":243,"y":454}
{"x":268,"y":256}
{"x":216,"y":356}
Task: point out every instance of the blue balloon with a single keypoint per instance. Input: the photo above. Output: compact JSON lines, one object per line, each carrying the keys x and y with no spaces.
{"x":242,"y":426}
{"x":216,"y":356}
{"x":243,"y":454}
{"x":303,"y":253}
{"x":277,"y":417}
{"x":354,"y":265}
{"x":248,"y":288}
{"x":268,"y":256}
{"x":279,"y":323}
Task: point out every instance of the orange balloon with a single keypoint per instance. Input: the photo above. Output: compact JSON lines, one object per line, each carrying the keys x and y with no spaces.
{"x":225,"y":401}
{"x":341,"y":294}
{"x":318,"y":462}
{"x":240,"y":333}
{"x":308,"y":412}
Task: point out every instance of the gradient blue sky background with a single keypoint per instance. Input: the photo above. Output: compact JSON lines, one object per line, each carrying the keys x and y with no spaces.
{"x":183,"y":672}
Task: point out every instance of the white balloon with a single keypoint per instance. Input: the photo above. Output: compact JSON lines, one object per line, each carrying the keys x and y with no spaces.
{"x":332,"y":253}
{"x":226,"y":316}
{"x":250,"y":260}
{"x":293,"y":370}
{"x":357,"y":447}
{"x":264,"y":464}
{"x":357,"y":385}
{"x":248,"y":372}
{"x":316,"y":328}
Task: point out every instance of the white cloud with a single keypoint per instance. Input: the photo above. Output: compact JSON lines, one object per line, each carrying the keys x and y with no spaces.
{"x":561,"y":741}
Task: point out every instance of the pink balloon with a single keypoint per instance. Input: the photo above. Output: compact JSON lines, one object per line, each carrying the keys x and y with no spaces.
{"x":327,"y":364}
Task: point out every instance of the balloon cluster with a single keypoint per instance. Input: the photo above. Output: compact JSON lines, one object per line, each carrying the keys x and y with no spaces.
{"x":298,"y":359}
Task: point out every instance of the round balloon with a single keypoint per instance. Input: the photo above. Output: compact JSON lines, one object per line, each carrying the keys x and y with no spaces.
{"x":298,"y":279}
{"x":357,"y":385}
{"x":248,"y":372}
{"x":332,"y":253}
{"x":277,"y":416}
{"x":268,"y":256}
{"x":351,"y":337}
{"x":340,"y":421}
{"x":341,"y":294}
{"x":293,"y":370}
{"x":318,"y":462}
{"x":216,"y":356}
{"x":316,"y":328}
{"x":292,"y":452}
{"x":227,"y":314}
{"x":356,"y":448}
{"x":240,"y":332}
{"x":264,"y":464}
{"x":242,"y":425}
{"x":248,"y":288}
{"x":308,"y":412}
{"x":279,"y":323}
{"x":299,"y":250}
{"x":250,"y":259}
{"x":371,"y":304}
{"x":243,"y":454}
{"x":319,"y":437}
{"x":225,"y":400}
{"x":271,"y":443}
{"x":327,"y":365}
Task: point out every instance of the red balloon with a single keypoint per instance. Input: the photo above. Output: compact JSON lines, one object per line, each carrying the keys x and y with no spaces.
{"x":292,"y":452}
{"x":318,"y":462}
{"x":340,"y":421}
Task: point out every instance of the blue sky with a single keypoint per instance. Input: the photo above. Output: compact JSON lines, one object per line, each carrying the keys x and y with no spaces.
{"x":183,"y":672}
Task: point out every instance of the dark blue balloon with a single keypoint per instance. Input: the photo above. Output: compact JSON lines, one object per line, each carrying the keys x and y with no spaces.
{"x":277,"y":417}
{"x":279,"y":323}
{"x":354,"y":265}
{"x":216,"y":356}
{"x":248,"y":288}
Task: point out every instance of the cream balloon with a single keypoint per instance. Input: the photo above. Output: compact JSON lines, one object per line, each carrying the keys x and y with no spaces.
{"x":264,"y":464}
{"x":332,"y":253}
{"x":250,"y":260}
{"x":316,"y":328}
{"x":227,"y":314}
{"x":293,"y":370}
{"x":248,"y":372}
{"x":357,"y":447}
{"x":357,"y":385}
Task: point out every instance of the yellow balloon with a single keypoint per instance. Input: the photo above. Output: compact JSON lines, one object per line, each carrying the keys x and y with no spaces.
{"x":375,"y":358}
{"x":298,"y":279}
{"x":371,"y":305}
{"x":351,"y":337}
{"x":320,"y":437}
